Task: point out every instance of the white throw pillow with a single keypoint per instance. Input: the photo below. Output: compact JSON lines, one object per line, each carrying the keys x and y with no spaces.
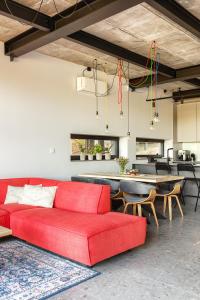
{"x":15,"y":193}
{"x":39,"y":196}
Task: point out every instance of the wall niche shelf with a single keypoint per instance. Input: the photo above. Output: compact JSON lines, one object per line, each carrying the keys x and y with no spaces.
{"x":88,"y":141}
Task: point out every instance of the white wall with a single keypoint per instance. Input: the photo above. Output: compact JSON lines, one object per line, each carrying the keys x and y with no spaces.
{"x":39,"y":108}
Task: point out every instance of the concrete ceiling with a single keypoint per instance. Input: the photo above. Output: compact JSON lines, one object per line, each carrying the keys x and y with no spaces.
{"x":193,"y":6}
{"x":137,"y":27}
{"x":133,"y":29}
{"x":48,"y":6}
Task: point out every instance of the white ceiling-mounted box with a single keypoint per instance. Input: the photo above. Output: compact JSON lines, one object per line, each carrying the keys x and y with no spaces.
{"x":87,"y":85}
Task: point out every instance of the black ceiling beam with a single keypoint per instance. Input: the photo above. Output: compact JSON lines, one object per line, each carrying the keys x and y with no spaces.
{"x":178,"y":14}
{"x":188,"y":72}
{"x":81,"y":17}
{"x":25,"y":14}
{"x":163,"y":79}
{"x":193,"y":81}
{"x":106,"y":47}
{"x":188,"y":94}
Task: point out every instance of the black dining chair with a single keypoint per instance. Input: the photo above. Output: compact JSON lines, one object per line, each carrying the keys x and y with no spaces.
{"x":188,"y":170}
{"x":138,"y":194}
{"x":163,"y":167}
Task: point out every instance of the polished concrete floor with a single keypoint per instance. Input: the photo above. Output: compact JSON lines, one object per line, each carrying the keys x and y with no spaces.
{"x":166,"y":267}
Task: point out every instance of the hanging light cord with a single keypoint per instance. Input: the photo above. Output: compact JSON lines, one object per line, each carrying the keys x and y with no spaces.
{"x":95,"y":68}
{"x":120,"y":84}
{"x":56,"y":10}
{"x":128,"y":119}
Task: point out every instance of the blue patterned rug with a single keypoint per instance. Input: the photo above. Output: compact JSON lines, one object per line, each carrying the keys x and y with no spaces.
{"x":28,"y":273}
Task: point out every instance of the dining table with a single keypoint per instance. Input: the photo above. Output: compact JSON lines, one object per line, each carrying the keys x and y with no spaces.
{"x":148,"y":178}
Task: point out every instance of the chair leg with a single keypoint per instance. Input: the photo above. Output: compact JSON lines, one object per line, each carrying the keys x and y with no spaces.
{"x":139,"y":210}
{"x":197,"y":199}
{"x":182,"y":197}
{"x":170,"y":207}
{"x":165,"y":204}
{"x":179,"y":205}
{"x":134,"y":209}
{"x":125,"y":208}
{"x":154,"y":213}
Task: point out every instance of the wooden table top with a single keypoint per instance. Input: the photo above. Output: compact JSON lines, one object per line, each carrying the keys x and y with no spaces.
{"x":5,"y":231}
{"x":150,"y":178}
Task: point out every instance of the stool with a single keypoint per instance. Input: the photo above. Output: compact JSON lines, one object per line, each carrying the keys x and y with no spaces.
{"x":189,"y":168}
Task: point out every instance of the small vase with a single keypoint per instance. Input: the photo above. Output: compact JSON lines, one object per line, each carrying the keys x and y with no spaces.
{"x":122,"y":169}
{"x":82,"y":156}
{"x":90,"y":156}
{"x":98,"y":156}
{"x":107,"y":156}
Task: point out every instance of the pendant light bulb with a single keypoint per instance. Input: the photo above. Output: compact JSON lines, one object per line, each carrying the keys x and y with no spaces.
{"x":121,"y":114}
{"x":107,"y":128}
{"x":156,"y":117}
{"x":97,"y":114}
{"x":152,"y":125}
{"x":128,"y":135}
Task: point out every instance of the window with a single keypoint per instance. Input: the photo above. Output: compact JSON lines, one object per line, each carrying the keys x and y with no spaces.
{"x":88,"y":142}
{"x":149,"y":147}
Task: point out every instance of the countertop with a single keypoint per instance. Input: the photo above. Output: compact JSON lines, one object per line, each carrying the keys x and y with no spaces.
{"x":171,"y":164}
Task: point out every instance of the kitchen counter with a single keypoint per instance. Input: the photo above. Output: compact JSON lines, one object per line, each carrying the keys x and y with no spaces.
{"x":149,"y":168}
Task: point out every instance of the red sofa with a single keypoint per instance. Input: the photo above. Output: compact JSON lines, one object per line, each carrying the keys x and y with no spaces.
{"x":80,"y":226}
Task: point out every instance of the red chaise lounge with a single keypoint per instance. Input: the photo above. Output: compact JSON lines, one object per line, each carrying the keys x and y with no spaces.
{"x":80,"y":225}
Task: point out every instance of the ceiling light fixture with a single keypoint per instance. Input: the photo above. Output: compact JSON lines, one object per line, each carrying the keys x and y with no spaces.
{"x":152,"y":125}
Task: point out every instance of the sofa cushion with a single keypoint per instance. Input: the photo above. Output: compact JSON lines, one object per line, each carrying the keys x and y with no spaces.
{"x":83,"y":197}
{"x":12,"y":181}
{"x":13,"y":207}
{"x":87,"y":238}
{"x":39,"y":195}
{"x":14,"y":194}
{"x":4,"y":218}
{"x":44,"y":182}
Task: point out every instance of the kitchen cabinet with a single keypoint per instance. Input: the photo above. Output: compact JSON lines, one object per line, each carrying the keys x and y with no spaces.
{"x":187,"y":122}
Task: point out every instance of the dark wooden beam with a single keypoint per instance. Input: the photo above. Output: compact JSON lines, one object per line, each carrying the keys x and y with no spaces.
{"x":106,"y":47}
{"x":25,"y":14}
{"x":178,"y":14}
{"x":79,"y":19}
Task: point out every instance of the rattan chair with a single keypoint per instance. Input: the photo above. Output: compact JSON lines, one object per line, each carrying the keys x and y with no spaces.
{"x":138,"y":194}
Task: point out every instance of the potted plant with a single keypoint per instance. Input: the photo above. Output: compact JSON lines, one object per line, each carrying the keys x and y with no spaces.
{"x":91,"y":153}
{"x":98,"y":149}
{"x":82,"y":150}
{"x":122,"y":161}
{"x":107,"y":151}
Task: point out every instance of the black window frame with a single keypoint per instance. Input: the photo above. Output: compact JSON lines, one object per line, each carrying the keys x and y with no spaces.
{"x":145,"y":140}
{"x":95,"y":137}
